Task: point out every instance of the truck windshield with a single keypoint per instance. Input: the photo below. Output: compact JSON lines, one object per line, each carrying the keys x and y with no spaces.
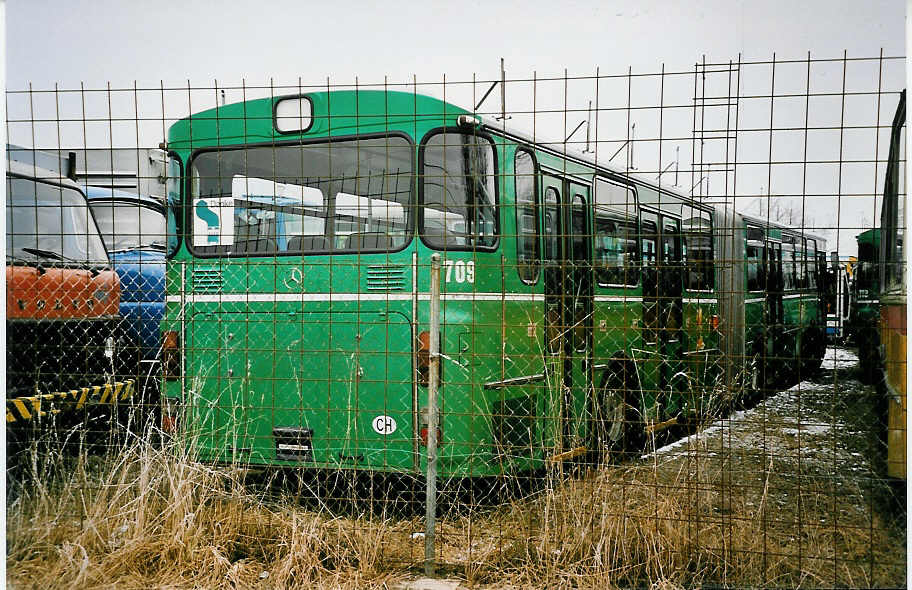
{"x":47,"y":222}
{"x":340,"y":196}
{"x":125,"y":226}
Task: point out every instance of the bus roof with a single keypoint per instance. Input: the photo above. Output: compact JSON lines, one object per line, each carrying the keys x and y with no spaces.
{"x":871,"y":236}
{"x":766,"y":223}
{"x":334,"y":113}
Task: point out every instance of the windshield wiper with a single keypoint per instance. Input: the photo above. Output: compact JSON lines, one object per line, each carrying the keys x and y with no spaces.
{"x":49,"y":254}
{"x":151,"y":245}
{"x":58,"y":256}
{"x":18,"y":259}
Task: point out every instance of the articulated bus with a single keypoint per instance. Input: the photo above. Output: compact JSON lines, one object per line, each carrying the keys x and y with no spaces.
{"x":893,"y":226}
{"x":582,"y":310}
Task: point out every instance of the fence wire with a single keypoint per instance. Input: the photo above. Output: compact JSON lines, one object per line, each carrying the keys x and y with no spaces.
{"x":671,"y":345}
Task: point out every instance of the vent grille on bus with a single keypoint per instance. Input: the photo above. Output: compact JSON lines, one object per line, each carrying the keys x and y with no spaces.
{"x":207,"y":280}
{"x":385,"y":278}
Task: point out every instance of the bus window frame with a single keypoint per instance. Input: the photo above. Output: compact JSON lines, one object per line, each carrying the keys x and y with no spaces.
{"x":761,"y":261}
{"x":179,"y":210}
{"x":810,"y":258}
{"x":419,"y":179}
{"x":712,"y":249}
{"x":188,"y":190}
{"x":634,"y":207}
{"x":536,"y":205}
{"x":547,"y":238}
{"x":579,"y":203}
{"x":756,"y":237}
{"x":790,"y":249}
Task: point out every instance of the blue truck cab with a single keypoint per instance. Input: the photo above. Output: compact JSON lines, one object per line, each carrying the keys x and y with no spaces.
{"x":134,"y":230}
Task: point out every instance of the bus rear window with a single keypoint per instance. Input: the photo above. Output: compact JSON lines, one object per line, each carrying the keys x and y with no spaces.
{"x":333,"y":197}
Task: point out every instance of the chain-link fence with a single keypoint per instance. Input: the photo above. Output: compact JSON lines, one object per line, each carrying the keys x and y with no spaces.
{"x":591,"y":330}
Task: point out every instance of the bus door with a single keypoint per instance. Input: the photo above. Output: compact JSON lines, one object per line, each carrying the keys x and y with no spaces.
{"x":555,"y":333}
{"x":662,"y":298}
{"x":567,"y":272}
{"x":578,"y":310}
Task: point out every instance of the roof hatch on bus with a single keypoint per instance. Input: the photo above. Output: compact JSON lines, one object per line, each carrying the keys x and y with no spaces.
{"x":293,"y":115}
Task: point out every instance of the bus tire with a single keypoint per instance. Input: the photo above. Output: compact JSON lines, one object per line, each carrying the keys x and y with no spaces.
{"x":868,"y":356}
{"x":619,"y":424}
{"x":813,"y":348}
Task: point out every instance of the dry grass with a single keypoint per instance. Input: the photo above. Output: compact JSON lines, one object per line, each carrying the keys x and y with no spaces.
{"x":153,"y":518}
{"x":682,"y":526}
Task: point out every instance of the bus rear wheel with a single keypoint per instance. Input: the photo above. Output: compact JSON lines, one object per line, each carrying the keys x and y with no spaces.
{"x":868,"y":355}
{"x":813,"y":349}
{"x":619,"y":426}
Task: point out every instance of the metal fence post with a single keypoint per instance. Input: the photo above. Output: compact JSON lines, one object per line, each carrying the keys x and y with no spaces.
{"x":434,"y":371}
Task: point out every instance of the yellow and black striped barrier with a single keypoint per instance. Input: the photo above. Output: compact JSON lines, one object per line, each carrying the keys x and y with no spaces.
{"x":24,"y":409}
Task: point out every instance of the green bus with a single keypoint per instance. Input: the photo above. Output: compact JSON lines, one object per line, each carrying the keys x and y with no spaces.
{"x":581,"y":310}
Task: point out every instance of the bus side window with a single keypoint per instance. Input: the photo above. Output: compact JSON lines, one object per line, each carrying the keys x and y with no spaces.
{"x":801,"y":262}
{"x":579,"y":230}
{"x":615,"y":252}
{"x":649,"y":240}
{"x":812,"y":263}
{"x":552,"y":231}
{"x":756,"y":277}
{"x":527,"y":248}
{"x":698,"y":252}
{"x":788,"y":267}
{"x":459,"y":205}
{"x":615,"y":240}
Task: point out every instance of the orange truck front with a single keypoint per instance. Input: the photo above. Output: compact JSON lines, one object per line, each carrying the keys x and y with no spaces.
{"x":62,"y":303}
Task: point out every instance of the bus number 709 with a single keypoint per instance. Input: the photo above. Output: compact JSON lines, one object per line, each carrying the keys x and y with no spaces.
{"x":464,"y":271}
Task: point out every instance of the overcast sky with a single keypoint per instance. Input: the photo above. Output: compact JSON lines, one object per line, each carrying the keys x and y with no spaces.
{"x":93,"y":43}
{"x":100,"y":41}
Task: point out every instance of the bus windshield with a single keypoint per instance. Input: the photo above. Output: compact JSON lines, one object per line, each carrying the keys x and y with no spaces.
{"x":340,"y":196}
{"x":48,"y":222}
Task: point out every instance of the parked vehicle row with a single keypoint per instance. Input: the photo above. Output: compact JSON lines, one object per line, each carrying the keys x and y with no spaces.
{"x":83,"y":306}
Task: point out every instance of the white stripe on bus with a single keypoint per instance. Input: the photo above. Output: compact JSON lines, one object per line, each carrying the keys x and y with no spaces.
{"x":331,"y":297}
{"x":340,"y":297}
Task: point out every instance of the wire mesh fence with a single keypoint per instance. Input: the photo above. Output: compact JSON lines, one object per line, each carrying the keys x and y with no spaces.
{"x":669,"y":345}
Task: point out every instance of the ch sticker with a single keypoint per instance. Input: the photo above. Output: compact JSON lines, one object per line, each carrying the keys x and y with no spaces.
{"x":384,"y":425}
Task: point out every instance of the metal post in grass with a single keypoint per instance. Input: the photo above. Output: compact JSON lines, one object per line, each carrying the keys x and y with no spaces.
{"x":433,"y":372}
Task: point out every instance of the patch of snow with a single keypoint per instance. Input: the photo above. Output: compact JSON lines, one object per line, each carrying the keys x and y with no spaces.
{"x":807,"y":429}
{"x":839,"y":358}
